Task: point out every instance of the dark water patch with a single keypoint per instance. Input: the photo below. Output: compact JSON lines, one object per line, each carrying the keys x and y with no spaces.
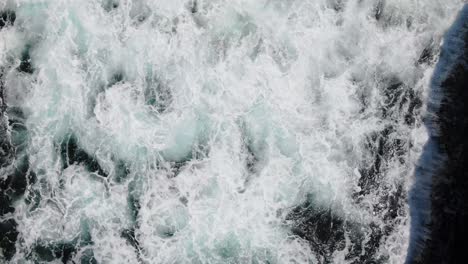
{"x":6,"y":149}
{"x":25,"y":64}
{"x":11,"y":189}
{"x":324,"y":233}
{"x":252,"y":153}
{"x":400,"y":106}
{"x":33,"y":195}
{"x":364,"y":96}
{"x":414,"y":105}
{"x":392,"y":94}
{"x":327,"y":232}
{"x":391,"y":205}
{"x":87,"y":257}
{"x":33,"y":199}
{"x":52,"y":251}
{"x":18,"y":177}
{"x":15,"y":114}
{"x":71,"y":153}
{"x":337,"y":5}
{"x":381,"y":146}
{"x":64,"y":250}
{"x":166,"y":231}
{"x":110,"y":5}
{"x":8,"y":236}
{"x":129,"y":235}
{"x":252,"y":160}
{"x":85,"y":238}
{"x":117,"y":77}
{"x":122,"y":170}
{"x":378,"y":9}
{"x":193,"y":6}
{"x":253,"y":150}
{"x":361,"y":252}
{"x":252,"y":165}
{"x":184,"y":200}
{"x":427,"y":55}
{"x":176,"y":167}
{"x":389,"y":16}
{"x":133,"y":199}
{"x":7,"y":18}
{"x":6,"y":204}
{"x":438,"y":202}
{"x":318,"y":224}
{"x":15,"y":184}
{"x":140,"y":18}
{"x":139,"y":12}
{"x":400,"y":101}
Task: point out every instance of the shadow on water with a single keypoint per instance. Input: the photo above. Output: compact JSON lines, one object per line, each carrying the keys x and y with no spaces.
{"x":439,"y":211}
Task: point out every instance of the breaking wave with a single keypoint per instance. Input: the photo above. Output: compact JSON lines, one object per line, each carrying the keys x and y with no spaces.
{"x":212,"y":131}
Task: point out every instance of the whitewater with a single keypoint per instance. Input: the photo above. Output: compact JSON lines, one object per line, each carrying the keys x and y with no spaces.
{"x":211,"y":131}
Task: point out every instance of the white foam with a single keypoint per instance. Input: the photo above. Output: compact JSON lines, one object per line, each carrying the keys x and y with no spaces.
{"x":282,"y":78}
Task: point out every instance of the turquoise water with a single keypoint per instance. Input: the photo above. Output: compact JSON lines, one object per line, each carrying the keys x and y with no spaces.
{"x":190,"y":131}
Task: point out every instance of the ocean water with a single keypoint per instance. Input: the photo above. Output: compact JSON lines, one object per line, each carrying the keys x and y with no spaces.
{"x":213,"y":131}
